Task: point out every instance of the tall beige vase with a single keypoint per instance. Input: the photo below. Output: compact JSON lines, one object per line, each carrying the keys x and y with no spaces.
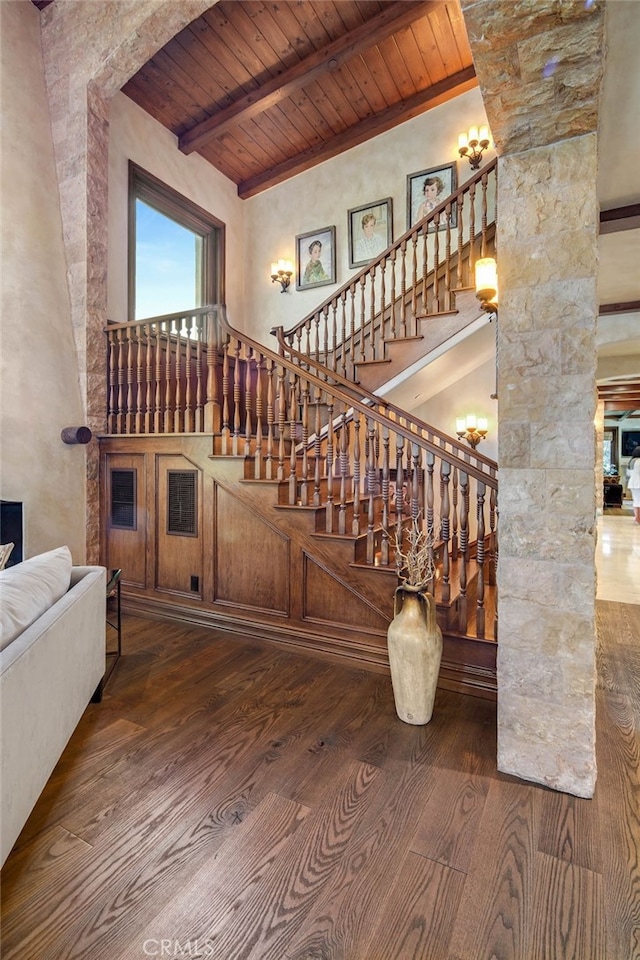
{"x":415,"y":649}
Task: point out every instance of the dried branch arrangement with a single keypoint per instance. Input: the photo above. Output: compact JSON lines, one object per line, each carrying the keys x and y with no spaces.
{"x":414,"y":554}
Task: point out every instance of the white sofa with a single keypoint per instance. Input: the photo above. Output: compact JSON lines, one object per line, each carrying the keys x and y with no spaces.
{"x":49,"y":672}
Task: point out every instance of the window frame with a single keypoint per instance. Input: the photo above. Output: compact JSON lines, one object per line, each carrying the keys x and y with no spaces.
{"x":164,"y":199}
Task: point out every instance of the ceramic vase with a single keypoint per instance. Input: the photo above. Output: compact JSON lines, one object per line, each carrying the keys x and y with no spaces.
{"x":415,"y":649}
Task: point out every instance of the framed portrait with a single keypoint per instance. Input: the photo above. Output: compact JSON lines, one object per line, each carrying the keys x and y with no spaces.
{"x":316,"y":258}
{"x":630,"y":440}
{"x":427,"y":189}
{"x":370,"y":229}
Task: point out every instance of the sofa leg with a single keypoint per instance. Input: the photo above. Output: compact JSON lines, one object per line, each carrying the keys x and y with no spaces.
{"x":97,"y":695}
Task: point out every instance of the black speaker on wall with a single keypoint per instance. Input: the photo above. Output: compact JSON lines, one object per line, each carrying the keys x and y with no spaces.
{"x":11,"y":528}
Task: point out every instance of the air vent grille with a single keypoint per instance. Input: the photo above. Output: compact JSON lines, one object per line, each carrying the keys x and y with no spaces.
{"x":182,"y":505}
{"x":123,"y":499}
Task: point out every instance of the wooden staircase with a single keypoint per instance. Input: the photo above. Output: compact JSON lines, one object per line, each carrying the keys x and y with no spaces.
{"x":302,"y":477}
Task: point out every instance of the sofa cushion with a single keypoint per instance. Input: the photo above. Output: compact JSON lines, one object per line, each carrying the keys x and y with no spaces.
{"x":29,"y":588}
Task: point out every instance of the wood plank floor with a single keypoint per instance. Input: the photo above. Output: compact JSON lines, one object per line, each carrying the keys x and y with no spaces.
{"x":230,"y":800}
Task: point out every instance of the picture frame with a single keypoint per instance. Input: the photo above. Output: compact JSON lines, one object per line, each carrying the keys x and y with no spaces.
{"x":370,"y":231}
{"x":417,"y":205}
{"x":630,"y":440}
{"x":317,"y":269}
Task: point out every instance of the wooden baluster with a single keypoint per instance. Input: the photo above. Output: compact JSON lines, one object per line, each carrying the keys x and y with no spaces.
{"x":430,"y":517}
{"x":355,"y":523}
{"x":383,"y":305}
{"x":343,"y":350}
{"x":372,"y":313}
{"x":317,"y":346}
{"x":248,"y":400}
{"x":188,"y":419}
{"x":152,"y":347}
{"x":225,"y":433}
{"x":459,"y":280}
{"x":212,"y":402}
{"x":271,"y":419}
{"x":282,"y":420}
{"x":425,"y":273}
{"x":344,"y":469}
{"x":304,"y":486}
{"x":415,"y":481}
{"x":334,"y":336}
{"x":158,"y":419}
{"x":454,"y":515}
{"x":472,"y":234}
{"x":403,"y":288}
{"x":480,"y":612}
{"x":362,"y":316}
{"x":199,"y":406}
{"x":435,"y":302}
{"x":483,"y":244}
{"x":141,"y":338}
{"x":399,"y":497}
{"x":112,"y":366}
{"x":445,"y":470}
{"x":491,"y":570}
{"x":258,"y":452}
{"x":371,"y":490}
{"x":307,"y":328}
{"x":317,"y":450}
{"x":414,"y":282}
{"x":178,"y":379}
{"x":393,"y":295}
{"x":293,"y":420}
{"x":329,"y":468}
{"x":235,"y":440}
{"x":384,"y":546}
{"x":130,"y":375}
{"x":463,"y":552}
{"x":122,"y":423}
{"x":352,"y":326}
{"x":168,"y":419}
{"x":448,"y":303}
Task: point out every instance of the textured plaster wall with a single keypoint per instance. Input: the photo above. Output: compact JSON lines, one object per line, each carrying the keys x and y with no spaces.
{"x":134,"y":135}
{"x":322,"y":196}
{"x":39,"y":389}
{"x":547,"y":359}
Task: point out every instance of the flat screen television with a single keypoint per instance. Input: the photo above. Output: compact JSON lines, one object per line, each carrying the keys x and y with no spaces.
{"x":630,"y":440}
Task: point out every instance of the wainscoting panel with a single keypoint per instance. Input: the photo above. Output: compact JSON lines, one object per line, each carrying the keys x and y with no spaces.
{"x":125,"y":538}
{"x":327,"y":600}
{"x":179,"y":540}
{"x":252,"y":558}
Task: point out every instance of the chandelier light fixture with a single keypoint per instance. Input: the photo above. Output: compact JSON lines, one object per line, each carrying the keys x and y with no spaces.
{"x":281,"y":273}
{"x":472,"y":429}
{"x":473,"y":144}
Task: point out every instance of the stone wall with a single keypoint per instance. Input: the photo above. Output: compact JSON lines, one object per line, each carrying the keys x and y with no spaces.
{"x":547,"y":361}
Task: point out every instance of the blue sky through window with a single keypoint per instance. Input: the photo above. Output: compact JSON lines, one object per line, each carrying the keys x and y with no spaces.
{"x":166,"y":264}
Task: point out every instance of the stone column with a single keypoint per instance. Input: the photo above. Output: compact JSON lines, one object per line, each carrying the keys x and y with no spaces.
{"x":547,"y":250}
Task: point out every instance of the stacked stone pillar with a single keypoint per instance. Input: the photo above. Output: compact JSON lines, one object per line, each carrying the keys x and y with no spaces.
{"x":547,"y":254}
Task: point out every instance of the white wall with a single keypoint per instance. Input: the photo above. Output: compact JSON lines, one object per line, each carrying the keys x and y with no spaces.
{"x":134,"y":135}
{"x":39,"y":390}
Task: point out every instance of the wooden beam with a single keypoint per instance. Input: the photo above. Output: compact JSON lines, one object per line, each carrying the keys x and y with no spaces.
{"x":620,"y":218}
{"x":360,"y":132}
{"x":631,"y":306}
{"x":612,"y":406}
{"x":389,"y":21}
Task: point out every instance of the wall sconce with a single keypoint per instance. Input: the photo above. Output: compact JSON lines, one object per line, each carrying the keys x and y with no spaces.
{"x":477,"y":141}
{"x":281,"y":273}
{"x":472,"y":429}
{"x":487,"y":284}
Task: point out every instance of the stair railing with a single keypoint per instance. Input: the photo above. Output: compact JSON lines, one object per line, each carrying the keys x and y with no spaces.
{"x":416,"y":277}
{"x":364,"y":471}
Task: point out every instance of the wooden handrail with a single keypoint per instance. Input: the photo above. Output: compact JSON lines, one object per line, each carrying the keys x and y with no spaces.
{"x":416,"y":276}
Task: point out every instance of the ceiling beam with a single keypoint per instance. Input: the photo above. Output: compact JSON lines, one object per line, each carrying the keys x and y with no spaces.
{"x":620,"y":218}
{"x":631,"y":306}
{"x":619,"y":406}
{"x":419,"y":103}
{"x":390,"y":20}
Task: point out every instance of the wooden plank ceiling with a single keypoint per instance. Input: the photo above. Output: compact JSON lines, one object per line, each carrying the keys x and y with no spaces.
{"x":265,"y":90}
{"x":621,"y":397}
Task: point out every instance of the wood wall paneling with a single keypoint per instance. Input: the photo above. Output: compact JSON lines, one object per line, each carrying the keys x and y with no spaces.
{"x":327,"y":600}
{"x":126,"y":549}
{"x":178,"y":557}
{"x":252,"y":558}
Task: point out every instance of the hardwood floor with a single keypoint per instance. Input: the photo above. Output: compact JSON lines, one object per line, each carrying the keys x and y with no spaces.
{"x":233,"y":801}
